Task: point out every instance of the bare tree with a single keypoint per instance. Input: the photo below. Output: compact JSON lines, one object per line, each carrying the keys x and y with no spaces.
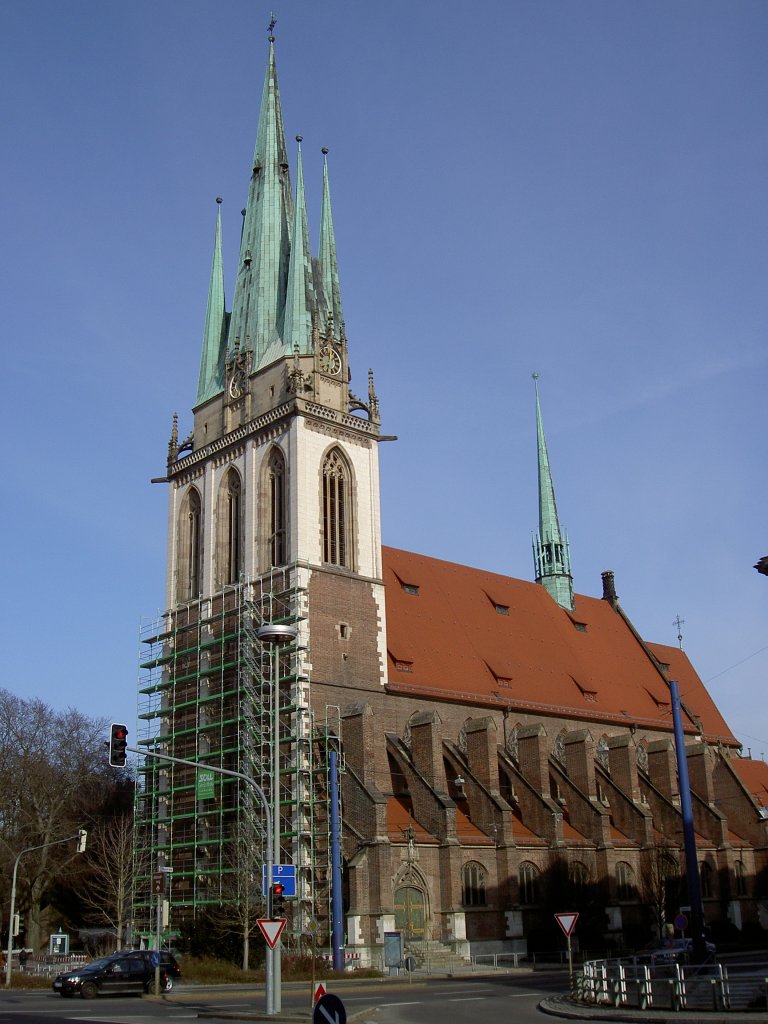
{"x":659,"y":881}
{"x":242,"y":897}
{"x":108,"y":882}
{"x":53,"y":778}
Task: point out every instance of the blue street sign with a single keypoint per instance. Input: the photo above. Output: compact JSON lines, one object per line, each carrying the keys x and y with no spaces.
{"x":284,"y":873}
{"x":329,"y":1009}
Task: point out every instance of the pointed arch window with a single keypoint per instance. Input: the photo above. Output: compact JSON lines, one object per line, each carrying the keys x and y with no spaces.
{"x":336,"y":509}
{"x":473,"y":882}
{"x":190,"y":534}
{"x":529,"y":882}
{"x":229,"y":530}
{"x":278,"y":546}
{"x":625,"y":881}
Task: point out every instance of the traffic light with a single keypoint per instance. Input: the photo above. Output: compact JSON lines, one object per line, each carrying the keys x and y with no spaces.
{"x":278,"y":898}
{"x":82,"y":837}
{"x":118,"y":742}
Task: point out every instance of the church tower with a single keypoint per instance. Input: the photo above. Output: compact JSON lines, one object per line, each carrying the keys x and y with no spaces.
{"x":551,"y":553}
{"x":273,"y":518}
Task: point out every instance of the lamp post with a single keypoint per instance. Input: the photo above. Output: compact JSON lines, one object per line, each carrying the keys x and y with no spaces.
{"x":275,"y":635}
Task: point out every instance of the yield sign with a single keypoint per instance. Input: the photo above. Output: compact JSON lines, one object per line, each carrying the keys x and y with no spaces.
{"x":566,"y":922}
{"x":271,"y":929}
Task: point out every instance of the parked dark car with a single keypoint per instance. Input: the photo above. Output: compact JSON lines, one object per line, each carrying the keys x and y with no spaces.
{"x":119,"y":974}
{"x":167,"y":960}
{"x":672,"y":951}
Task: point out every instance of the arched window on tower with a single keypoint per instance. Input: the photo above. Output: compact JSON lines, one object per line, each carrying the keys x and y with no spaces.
{"x":189,"y":579}
{"x":336,"y":509}
{"x":229,"y":517}
{"x":278,"y":546}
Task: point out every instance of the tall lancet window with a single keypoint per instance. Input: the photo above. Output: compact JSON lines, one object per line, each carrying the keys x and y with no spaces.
{"x":336,"y":509}
{"x":189,"y":580}
{"x":229,"y":532}
{"x":277,"y":519}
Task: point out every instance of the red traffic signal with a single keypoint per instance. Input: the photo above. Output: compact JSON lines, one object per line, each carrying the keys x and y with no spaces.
{"x":118,"y":742}
{"x":276,"y":902}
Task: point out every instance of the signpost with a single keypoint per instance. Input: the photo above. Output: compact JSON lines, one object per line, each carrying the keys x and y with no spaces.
{"x":567,"y":922}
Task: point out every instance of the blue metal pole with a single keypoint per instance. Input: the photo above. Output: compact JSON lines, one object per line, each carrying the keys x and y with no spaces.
{"x":689,"y":838}
{"x":336,"y":912}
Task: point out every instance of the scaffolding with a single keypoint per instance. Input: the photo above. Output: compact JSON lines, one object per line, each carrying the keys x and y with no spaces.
{"x":207,"y":688}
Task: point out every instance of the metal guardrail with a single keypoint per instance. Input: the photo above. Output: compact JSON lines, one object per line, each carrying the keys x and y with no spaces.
{"x":675,"y":986}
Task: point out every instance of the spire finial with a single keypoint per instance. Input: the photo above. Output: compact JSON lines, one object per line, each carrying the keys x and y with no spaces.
{"x":219,"y":200}
{"x":677,"y":621}
{"x":271,"y":29}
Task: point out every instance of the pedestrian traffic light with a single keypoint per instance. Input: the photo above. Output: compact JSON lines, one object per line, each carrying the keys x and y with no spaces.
{"x":118,"y":742}
{"x":278,"y":897}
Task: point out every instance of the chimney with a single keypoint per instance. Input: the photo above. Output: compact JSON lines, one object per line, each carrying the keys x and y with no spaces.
{"x":609,"y":588}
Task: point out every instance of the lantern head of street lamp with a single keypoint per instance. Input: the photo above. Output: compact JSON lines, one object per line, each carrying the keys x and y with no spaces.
{"x":276,"y":633}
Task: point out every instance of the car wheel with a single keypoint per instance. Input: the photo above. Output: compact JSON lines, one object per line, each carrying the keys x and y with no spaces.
{"x":89,"y":990}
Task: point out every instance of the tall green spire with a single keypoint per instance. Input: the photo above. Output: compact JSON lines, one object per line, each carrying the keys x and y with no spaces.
{"x":257,"y":309}
{"x":211,"y":379}
{"x":551,"y":555}
{"x":300,"y":296}
{"x":329,"y":267}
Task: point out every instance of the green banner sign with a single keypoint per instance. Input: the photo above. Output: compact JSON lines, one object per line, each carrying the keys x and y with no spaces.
{"x":205,"y":779}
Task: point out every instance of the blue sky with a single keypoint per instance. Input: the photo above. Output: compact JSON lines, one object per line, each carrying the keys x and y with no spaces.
{"x":575,"y":187}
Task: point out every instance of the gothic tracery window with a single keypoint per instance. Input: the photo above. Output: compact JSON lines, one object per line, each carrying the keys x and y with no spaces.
{"x":473,"y":882}
{"x":189,"y":582}
{"x":278,"y":546}
{"x":336,"y":509}
{"x":229,"y":530}
{"x":529,"y":882}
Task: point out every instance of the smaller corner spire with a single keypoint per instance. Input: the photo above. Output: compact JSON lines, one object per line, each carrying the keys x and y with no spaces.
{"x":211,"y":377}
{"x":551,"y":553}
{"x":329,"y":265}
{"x":300,"y":298}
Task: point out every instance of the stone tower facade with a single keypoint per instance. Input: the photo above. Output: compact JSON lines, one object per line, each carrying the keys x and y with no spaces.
{"x":273,"y":518}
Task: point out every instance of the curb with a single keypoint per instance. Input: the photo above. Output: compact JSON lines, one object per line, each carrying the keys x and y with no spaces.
{"x":562,"y":1006}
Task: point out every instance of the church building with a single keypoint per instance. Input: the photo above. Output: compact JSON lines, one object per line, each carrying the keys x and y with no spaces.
{"x":505,"y":746}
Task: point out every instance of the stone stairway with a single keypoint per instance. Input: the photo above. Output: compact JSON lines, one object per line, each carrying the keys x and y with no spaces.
{"x":433,"y":956}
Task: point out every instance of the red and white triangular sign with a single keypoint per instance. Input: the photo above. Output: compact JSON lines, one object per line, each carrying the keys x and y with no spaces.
{"x":320,"y":991}
{"x":566,"y":922}
{"x":271,"y":929}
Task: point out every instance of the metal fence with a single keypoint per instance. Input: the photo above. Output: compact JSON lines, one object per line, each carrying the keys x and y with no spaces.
{"x":673,"y":986}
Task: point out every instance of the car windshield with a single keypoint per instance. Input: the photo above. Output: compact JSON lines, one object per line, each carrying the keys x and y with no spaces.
{"x":96,"y":965}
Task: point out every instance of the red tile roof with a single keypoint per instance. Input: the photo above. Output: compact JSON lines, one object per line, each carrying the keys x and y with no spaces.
{"x":753,"y":776}
{"x":471,"y":636}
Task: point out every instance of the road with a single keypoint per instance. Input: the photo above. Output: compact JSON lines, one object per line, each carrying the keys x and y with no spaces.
{"x":461,"y":1000}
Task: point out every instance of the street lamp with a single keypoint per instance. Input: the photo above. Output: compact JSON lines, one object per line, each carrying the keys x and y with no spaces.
{"x":276,"y":635}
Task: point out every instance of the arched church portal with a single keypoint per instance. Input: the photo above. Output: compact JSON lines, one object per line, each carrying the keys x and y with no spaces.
{"x":411,"y":912}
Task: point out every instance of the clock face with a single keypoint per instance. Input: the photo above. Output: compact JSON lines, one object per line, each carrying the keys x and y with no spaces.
{"x":330,"y":360}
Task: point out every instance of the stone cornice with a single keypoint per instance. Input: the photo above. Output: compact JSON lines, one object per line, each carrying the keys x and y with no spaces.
{"x":265,"y":425}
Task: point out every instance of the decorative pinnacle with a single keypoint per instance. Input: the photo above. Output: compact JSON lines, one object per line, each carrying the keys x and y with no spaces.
{"x":535,"y":375}
{"x":299,"y":138}
{"x":271,"y":29}
{"x":219,"y":200}
{"x":324,"y":151}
